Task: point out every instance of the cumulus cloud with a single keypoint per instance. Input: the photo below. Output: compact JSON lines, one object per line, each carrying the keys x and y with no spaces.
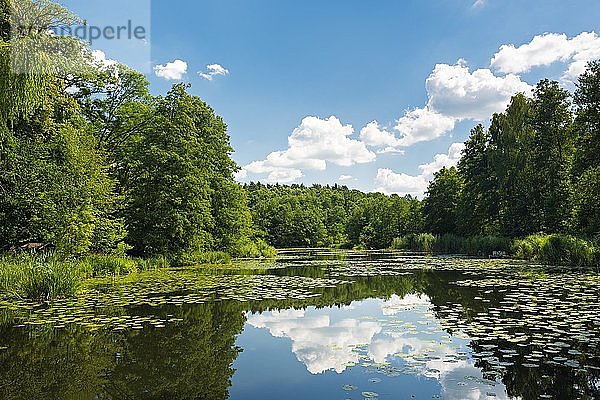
{"x":374,"y":136}
{"x":390,"y":182}
{"x":311,"y":146}
{"x":320,"y":344}
{"x":101,"y":61}
{"x":547,"y":49}
{"x":423,"y":124}
{"x":213,"y":70}
{"x":172,"y":71}
{"x":345,"y":178}
{"x":455,"y":92}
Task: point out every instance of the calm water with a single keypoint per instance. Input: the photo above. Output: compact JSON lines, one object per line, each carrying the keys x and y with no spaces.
{"x":315,"y":325}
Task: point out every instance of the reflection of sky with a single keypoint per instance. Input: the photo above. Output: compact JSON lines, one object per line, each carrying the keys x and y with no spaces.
{"x":399,"y":335}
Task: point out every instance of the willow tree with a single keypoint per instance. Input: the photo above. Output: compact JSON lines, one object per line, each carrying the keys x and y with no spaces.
{"x":54,"y":185}
{"x":31,"y":57}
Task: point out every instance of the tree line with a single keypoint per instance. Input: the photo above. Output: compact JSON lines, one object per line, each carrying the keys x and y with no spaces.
{"x":535,"y":170}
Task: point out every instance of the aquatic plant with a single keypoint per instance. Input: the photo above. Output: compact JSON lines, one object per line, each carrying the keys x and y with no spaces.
{"x":38,"y":277}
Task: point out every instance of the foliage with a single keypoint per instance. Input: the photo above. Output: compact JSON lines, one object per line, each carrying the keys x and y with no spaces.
{"x":177,"y":176}
{"x":556,"y":250}
{"x":422,"y":242}
{"x":38,"y":277}
{"x":335,"y":216}
{"x":440,"y":209}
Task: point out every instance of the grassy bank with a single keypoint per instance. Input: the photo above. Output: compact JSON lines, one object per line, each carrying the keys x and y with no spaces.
{"x":547,"y":249}
{"x":46,"y":276}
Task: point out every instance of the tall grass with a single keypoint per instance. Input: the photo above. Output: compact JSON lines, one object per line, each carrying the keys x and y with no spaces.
{"x":557,"y":250}
{"x":38,"y":277}
{"x":47,"y":276}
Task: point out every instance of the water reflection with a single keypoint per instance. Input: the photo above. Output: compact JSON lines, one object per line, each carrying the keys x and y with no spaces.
{"x":406,"y":326}
{"x":384,"y":339}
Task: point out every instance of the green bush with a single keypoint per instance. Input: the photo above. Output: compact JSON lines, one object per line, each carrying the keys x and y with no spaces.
{"x":452,"y":244}
{"x":567,"y":250}
{"x":256,"y":248}
{"x":422,"y":242}
{"x":557,"y":250}
{"x":102,"y":265}
{"x":153,"y":263}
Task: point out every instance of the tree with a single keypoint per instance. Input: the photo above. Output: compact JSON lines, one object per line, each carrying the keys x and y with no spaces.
{"x":441,"y":205}
{"x":552,"y":154}
{"x":54,"y":182}
{"x":587,"y":121}
{"x":178,"y":177}
{"x":586,"y":207}
{"x":479,"y":193}
{"x":515,"y":207}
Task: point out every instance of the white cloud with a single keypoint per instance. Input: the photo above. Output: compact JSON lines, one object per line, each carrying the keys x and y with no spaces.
{"x":479,"y":3}
{"x":320,"y":344}
{"x":390,"y":182}
{"x":374,"y":136}
{"x":213,"y":70}
{"x":423,"y":124}
{"x":172,"y":71}
{"x":345,"y":178}
{"x":547,"y":49}
{"x":312,"y":145}
{"x":455,"y":92}
{"x":443,"y":160}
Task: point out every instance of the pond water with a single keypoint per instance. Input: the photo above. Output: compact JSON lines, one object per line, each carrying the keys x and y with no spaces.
{"x":314,"y":324}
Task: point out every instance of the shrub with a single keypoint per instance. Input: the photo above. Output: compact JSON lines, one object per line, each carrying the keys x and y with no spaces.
{"x":567,"y":250}
{"x":557,"y":250}
{"x":153,"y":263}
{"x":452,"y":244}
{"x":256,"y":248}
{"x":423,"y":242}
{"x":102,"y":265}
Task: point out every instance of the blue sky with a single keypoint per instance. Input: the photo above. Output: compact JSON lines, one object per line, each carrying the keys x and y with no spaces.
{"x":277,"y":62}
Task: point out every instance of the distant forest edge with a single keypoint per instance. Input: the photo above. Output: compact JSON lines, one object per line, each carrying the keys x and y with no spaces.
{"x":528,"y":186}
{"x":92,"y":163}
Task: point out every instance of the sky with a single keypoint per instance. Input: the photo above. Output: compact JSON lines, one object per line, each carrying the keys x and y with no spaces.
{"x":376,"y":95}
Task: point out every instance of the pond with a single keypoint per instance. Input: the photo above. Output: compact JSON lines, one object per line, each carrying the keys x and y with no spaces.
{"x":314,"y":324}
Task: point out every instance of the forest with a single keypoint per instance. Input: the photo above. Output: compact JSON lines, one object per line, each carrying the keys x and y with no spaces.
{"x":98,"y":174}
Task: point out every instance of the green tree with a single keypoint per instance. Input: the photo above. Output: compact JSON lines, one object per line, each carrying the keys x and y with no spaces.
{"x":440,"y":208}
{"x":178,"y":177}
{"x":54,"y":182}
{"x":586,"y":207}
{"x":587,"y":121}
{"x":479,"y":193}
{"x":552,"y":154}
{"x":515,"y":207}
